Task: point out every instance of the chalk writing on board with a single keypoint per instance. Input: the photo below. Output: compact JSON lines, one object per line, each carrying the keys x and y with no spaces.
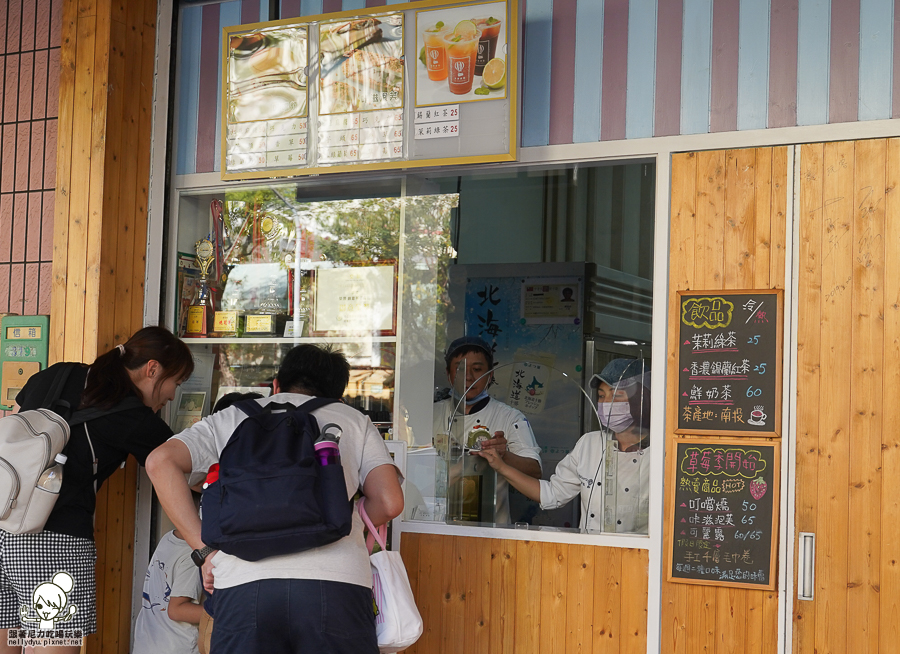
{"x":731,"y":462}
{"x":728,"y":352}
{"x":723,"y":513}
{"x":709,"y":312}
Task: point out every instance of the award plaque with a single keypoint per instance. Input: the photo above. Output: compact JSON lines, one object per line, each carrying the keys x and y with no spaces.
{"x":260,"y":324}
{"x":225,"y":322}
{"x":200,"y":313}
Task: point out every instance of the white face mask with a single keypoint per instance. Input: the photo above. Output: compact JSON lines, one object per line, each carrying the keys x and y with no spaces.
{"x":615,"y":416}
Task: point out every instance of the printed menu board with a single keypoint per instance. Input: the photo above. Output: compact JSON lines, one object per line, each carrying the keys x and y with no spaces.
{"x":266,"y":100}
{"x":724,"y":519}
{"x":361,"y":90}
{"x":416,"y":84}
{"x":729,"y":362}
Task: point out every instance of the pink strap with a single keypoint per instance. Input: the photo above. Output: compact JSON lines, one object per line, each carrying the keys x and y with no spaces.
{"x":379,"y":535}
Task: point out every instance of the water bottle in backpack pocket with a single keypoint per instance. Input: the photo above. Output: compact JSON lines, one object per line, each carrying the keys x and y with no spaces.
{"x":273,"y":496}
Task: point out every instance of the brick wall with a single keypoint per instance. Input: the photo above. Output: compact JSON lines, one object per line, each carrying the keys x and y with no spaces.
{"x":29,"y":79}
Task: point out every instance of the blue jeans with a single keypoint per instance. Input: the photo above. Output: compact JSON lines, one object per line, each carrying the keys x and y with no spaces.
{"x":294,"y":616}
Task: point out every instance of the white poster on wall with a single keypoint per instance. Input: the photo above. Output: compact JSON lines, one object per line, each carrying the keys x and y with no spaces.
{"x":356,"y":299}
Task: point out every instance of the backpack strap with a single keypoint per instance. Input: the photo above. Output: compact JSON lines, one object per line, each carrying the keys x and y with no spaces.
{"x":250,"y":407}
{"x":92,"y":413}
{"x":95,"y":462}
{"x":253,"y":408}
{"x":316,"y":403}
{"x":56,"y":390}
{"x":85,"y":415}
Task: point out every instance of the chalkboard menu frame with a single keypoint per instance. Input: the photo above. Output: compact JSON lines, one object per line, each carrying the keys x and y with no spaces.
{"x":739,"y":516}
{"x":761,"y":417}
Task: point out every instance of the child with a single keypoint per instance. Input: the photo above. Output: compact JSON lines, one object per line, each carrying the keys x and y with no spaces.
{"x":170,"y":610}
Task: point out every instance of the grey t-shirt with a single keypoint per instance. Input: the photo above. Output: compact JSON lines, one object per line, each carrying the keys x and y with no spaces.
{"x":362,"y":450}
{"x":171,"y":574}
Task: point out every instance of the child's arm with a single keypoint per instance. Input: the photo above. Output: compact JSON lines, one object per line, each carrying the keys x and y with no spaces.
{"x":183,"y":609}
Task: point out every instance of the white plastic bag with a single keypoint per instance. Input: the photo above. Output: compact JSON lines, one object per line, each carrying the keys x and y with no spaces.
{"x":398,"y":623}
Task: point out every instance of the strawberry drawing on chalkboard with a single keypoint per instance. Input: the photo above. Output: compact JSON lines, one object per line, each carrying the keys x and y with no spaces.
{"x":758,"y":488}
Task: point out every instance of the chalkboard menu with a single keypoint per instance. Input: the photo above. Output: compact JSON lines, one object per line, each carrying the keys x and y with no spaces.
{"x":725,"y":520}
{"x":729,"y":363}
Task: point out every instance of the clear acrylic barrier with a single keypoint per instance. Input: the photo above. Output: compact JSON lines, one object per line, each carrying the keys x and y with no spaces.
{"x":605,"y":470}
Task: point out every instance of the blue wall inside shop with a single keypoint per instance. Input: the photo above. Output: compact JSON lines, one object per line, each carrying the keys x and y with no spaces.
{"x":502,"y":219}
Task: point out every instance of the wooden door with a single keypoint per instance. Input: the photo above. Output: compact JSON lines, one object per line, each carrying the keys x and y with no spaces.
{"x":848,"y":378}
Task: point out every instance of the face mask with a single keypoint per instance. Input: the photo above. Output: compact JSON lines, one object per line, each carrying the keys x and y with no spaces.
{"x":615,"y":416}
{"x":477,"y":398}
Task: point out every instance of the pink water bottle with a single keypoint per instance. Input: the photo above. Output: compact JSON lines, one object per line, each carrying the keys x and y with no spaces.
{"x":328,"y":453}
{"x":327,"y":446}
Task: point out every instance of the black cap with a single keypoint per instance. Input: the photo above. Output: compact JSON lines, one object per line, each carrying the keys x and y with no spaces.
{"x":469,"y":343}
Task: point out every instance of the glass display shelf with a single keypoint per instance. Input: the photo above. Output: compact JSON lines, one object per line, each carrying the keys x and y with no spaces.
{"x":358,"y":274}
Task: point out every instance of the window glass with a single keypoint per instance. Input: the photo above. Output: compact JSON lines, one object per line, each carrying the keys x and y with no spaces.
{"x":545,"y":275}
{"x":549,"y":285}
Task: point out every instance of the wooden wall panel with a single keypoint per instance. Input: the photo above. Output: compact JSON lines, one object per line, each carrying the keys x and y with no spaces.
{"x":607,"y":600}
{"x":889,"y":608}
{"x":503,"y":596}
{"x":102,"y":175}
{"x":866,"y":355}
{"x":809,"y":351}
{"x":728,"y":232}
{"x":847,"y":410}
{"x":546,"y":598}
{"x":580,"y":603}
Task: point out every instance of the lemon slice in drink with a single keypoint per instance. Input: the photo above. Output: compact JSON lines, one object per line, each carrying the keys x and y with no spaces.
{"x":466,"y":29}
{"x":494,"y":75}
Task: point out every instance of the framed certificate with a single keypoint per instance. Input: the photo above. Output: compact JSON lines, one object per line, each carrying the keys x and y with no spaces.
{"x":356,"y":300}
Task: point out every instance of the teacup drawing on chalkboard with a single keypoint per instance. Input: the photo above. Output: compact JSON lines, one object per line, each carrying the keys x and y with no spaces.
{"x":757,"y":417}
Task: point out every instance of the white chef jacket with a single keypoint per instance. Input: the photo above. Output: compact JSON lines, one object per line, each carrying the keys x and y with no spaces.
{"x":495,"y":416}
{"x":620,"y":502}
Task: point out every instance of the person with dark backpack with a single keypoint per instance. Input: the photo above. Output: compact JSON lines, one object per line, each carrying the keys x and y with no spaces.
{"x":120,"y":394}
{"x":281,"y":545}
{"x":206,"y":620}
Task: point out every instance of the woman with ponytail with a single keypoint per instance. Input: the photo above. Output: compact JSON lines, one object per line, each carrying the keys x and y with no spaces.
{"x":130,"y":383}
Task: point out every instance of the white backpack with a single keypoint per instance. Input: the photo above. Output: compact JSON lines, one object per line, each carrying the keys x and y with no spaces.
{"x":29,"y":443}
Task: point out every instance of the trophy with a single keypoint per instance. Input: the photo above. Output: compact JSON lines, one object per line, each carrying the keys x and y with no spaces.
{"x":202,"y":309}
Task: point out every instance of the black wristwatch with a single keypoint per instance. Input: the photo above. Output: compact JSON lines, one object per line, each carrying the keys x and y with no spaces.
{"x":199,"y":556}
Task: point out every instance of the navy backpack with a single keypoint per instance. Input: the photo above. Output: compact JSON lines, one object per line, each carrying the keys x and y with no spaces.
{"x":272,"y":496}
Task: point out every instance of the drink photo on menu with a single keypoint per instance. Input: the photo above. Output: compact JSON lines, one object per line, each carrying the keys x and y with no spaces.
{"x":462,"y":54}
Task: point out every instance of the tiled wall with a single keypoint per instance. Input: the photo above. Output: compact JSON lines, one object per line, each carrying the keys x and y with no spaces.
{"x":29,"y":78}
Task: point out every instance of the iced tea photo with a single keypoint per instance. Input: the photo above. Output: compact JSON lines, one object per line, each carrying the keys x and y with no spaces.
{"x":462,"y":51}
{"x":462,"y":54}
{"x":436,"y":51}
{"x":487,"y":45}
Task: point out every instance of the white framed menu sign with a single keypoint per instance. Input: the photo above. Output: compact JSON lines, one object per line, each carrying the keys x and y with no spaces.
{"x":347,"y":91}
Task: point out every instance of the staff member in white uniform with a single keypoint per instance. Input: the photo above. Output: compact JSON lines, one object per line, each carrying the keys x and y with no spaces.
{"x":610,"y":467}
{"x":512,"y":439}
